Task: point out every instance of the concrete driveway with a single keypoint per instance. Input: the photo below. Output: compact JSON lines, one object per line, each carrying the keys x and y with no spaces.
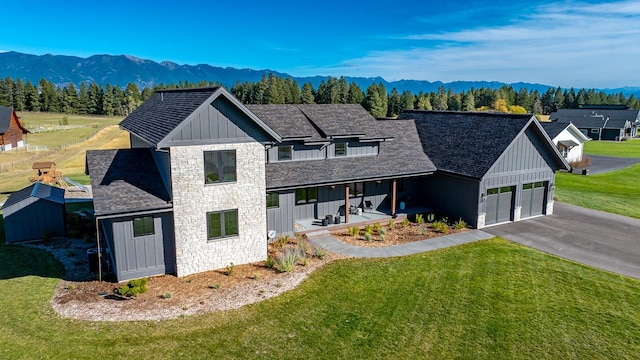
{"x":602,"y":240}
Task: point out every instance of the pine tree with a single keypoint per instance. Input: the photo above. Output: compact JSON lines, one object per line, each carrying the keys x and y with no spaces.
{"x":373,"y":103}
{"x":108,"y":102}
{"x":382,"y":91}
{"x":441,"y":103}
{"x":19,"y":96}
{"x":424,"y":102}
{"x":306,"y":94}
{"x":32,"y":98}
{"x":93,"y":101}
{"x":408,"y":100}
{"x":468,"y":102}
{"x":83,"y":99}
{"x":395,"y":103}
{"x":355,"y":94}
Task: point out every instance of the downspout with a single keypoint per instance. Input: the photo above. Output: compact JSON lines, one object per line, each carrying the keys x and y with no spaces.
{"x":99,"y":252}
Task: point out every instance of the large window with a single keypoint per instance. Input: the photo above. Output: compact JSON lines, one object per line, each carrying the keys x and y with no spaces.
{"x":222,"y":224}
{"x":273,"y":200}
{"x":356,"y":189}
{"x":219,"y":166}
{"x":143,"y":226}
{"x":341,"y":149}
{"x":284,"y":153}
{"x":307,"y":195}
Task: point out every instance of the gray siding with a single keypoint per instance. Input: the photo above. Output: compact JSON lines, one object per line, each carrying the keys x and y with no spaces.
{"x":362,"y":149}
{"x":163,"y":163}
{"x":31,"y":220}
{"x":299,"y":152}
{"x":220,"y":121}
{"x":137,"y":142}
{"x":136,"y":257}
{"x":280,"y":219}
{"x":452,"y":196}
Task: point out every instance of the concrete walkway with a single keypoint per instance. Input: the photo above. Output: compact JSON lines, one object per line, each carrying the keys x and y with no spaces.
{"x":330,"y":243}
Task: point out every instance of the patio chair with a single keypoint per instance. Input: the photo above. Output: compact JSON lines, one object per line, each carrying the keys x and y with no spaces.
{"x":367,"y":205}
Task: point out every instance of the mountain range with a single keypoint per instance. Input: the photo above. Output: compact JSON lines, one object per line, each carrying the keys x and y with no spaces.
{"x":123,"y":69}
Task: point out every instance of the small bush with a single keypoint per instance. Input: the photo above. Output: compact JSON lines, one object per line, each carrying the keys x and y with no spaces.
{"x":391,"y":224}
{"x":368,"y":229}
{"x":319,"y":252}
{"x":229,"y":270}
{"x":214,"y":286}
{"x":404,"y":223}
{"x":430,"y":217}
{"x":167,"y":295}
{"x":133,"y":288}
{"x":303,"y":246}
{"x":255,"y":276}
{"x":460,"y":224}
{"x":70,"y":287}
{"x":377,"y":227}
{"x":440,"y":226}
{"x":382,"y":232}
{"x":383,"y":236}
{"x":419,"y":219}
{"x":303,"y":260}
{"x":270,"y":262}
{"x":354,"y":231}
{"x":367,"y":236}
{"x":283,"y":240}
{"x":287,"y":260}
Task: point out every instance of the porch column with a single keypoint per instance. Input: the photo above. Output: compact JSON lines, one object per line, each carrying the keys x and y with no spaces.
{"x":346,"y":203}
{"x":393,"y":197}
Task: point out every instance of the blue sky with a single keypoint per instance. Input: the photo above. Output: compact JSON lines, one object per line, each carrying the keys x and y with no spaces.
{"x":559,"y":43}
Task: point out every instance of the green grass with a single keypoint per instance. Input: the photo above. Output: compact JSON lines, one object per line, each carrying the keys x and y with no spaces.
{"x":615,"y":192}
{"x":629,"y":149}
{"x":486,"y":300}
{"x":32,"y":120}
{"x":54,"y":139}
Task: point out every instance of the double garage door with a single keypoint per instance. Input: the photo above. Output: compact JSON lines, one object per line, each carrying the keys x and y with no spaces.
{"x":501,"y":201}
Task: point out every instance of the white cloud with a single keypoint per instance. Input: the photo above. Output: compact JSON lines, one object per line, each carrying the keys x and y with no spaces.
{"x":565,"y":44}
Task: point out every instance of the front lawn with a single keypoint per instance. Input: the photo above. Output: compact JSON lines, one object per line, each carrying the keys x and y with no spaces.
{"x":630,"y":148}
{"x":486,"y":300}
{"x":616,"y":192}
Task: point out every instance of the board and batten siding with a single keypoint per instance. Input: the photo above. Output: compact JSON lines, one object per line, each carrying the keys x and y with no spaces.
{"x":219,"y":121}
{"x":141,"y":256}
{"x":298,"y":152}
{"x":450,"y":195}
{"x":32,"y":219}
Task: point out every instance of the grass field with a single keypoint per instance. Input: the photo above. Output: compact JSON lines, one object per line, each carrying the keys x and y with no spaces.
{"x":630,"y":148}
{"x":616,"y":192}
{"x":69,"y":160}
{"x":33,"y":120}
{"x":486,"y":300}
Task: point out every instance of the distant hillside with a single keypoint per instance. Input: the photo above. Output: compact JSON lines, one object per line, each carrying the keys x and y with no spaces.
{"x":123,"y":69}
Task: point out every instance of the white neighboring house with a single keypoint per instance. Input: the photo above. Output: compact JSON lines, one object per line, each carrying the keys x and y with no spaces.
{"x":568,"y":138}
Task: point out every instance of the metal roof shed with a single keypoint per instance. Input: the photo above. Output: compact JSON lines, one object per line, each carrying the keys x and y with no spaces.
{"x":34,"y":212}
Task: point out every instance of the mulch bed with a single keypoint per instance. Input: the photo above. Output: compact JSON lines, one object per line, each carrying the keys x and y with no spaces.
{"x":399,"y":234}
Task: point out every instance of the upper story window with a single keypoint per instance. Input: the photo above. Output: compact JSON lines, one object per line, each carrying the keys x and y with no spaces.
{"x":284,"y":153}
{"x":143,"y":226}
{"x":341,"y":149}
{"x":219,"y":166}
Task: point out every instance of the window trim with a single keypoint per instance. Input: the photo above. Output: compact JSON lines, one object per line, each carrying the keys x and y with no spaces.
{"x":223,"y":224}
{"x":145,"y":221}
{"x":281,"y":150}
{"x":217,"y":160}
{"x":305,"y":195}
{"x":273,"y":204}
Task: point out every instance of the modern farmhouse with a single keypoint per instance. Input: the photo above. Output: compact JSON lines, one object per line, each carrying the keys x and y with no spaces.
{"x":207,"y":177}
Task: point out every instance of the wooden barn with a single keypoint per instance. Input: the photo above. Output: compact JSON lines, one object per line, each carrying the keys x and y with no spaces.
{"x":35,"y":212}
{"x":12,"y":134}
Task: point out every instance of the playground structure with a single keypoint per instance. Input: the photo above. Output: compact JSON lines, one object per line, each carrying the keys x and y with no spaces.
{"x":45,"y":172}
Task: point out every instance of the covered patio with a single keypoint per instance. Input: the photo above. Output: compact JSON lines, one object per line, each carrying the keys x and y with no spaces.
{"x":304,"y":226}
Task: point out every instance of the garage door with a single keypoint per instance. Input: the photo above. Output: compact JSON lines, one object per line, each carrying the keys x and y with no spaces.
{"x":499,"y":205}
{"x":533,"y":199}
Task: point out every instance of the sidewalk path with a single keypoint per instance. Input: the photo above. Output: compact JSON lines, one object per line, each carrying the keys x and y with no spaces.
{"x":326,"y":241}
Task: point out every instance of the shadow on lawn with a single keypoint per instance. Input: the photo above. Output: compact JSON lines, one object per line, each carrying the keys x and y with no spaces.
{"x":18,"y":261}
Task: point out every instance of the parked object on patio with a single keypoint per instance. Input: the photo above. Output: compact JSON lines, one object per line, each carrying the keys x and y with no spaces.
{"x":337,"y":220}
{"x":329,"y":219}
{"x":325,"y":222}
{"x":367,"y":205}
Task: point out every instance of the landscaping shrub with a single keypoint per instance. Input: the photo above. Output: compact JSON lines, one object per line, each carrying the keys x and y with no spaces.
{"x":354,"y":231}
{"x":430,"y":217}
{"x":229,"y":270}
{"x":460,"y":224}
{"x":377,"y":227}
{"x":319,"y":252}
{"x":419,"y":219}
{"x":133,"y":288}
{"x":367,"y":236}
{"x":391,"y":224}
{"x":368,"y":229}
{"x":405,"y":223}
{"x":287,"y":260}
{"x":270,"y":262}
{"x":440,"y":226}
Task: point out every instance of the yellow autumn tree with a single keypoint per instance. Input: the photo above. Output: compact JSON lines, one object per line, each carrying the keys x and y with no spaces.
{"x":501,"y":106}
{"x":517,"y":109}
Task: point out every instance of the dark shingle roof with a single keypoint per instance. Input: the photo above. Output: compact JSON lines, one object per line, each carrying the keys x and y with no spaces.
{"x":163,"y":111}
{"x":39,"y":190}
{"x":466,"y":143}
{"x":5,"y":118}
{"x":287,"y":120}
{"x":402,"y":156}
{"x":340,"y":120}
{"x":590,"y":117}
{"x":553,"y":129}
{"x":125,"y":180}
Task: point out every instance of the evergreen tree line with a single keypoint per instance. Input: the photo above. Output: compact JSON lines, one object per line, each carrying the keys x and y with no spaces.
{"x":113,"y":100}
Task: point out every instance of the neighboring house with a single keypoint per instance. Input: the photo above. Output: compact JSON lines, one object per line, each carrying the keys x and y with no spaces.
{"x":35,"y":212}
{"x":600,"y":122}
{"x":492,"y":168}
{"x":11,"y":131}
{"x":568,"y":138}
{"x":208,"y":177}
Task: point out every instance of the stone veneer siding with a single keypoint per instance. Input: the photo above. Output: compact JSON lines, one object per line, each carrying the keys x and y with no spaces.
{"x":192,"y":199}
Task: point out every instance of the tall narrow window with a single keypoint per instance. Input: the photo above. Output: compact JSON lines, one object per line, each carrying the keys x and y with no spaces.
{"x":341,"y":149}
{"x":143,"y":226}
{"x":219,"y":166}
{"x":284,"y":153}
{"x":222,"y":224}
{"x":273,"y":200}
